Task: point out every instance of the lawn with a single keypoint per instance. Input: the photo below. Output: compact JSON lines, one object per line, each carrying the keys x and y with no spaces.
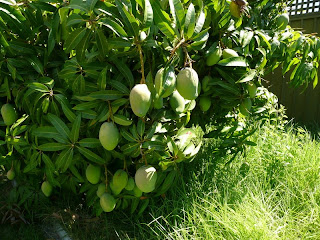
{"x":272,"y":191}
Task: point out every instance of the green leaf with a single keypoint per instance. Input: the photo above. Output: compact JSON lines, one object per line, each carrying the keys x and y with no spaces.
{"x":148,"y":15}
{"x":74,"y":39}
{"x":177,"y":11}
{"x":106,"y":95}
{"x":127,"y":135}
{"x":65,"y":159}
{"x":167,"y":183}
{"x":128,"y":148}
{"x":49,"y":132}
{"x":90,"y":155}
{"x":189,"y":24}
{"x":53,"y":147}
{"x":141,"y":126}
{"x":119,"y":86}
{"x":200,"y":22}
{"x":33,"y":162}
{"x":91,"y":4}
{"x":233,"y":62}
{"x":162,"y":20}
{"x":122,"y":120}
{"x":125,"y":71}
{"x":74,"y":135}
{"x":78,"y":4}
{"x":128,"y":20}
{"x":86,"y":105}
{"x":74,"y":19}
{"x":51,"y":42}
{"x":101,"y":43}
{"x":65,"y":107}
{"x":82,"y":46}
{"x":114,"y":26}
{"x":39,"y":87}
{"x":90,"y":142}
{"x":47,"y":161}
{"x":248,"y":76}
{"x":59,"y":125}
{"x":36,"y":64}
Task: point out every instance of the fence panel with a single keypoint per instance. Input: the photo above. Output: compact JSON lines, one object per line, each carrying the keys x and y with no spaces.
{"x":305,"y":107}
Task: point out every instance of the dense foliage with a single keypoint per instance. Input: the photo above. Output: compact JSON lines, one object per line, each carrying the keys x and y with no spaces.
{"x":94,"y":95}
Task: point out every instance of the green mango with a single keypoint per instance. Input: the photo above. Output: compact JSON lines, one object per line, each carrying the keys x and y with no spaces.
{"x":130,"y":185}
{"x":205,"y":103}
{"x":107,"y":202}
{"x":188,"y":83}
{"x":145,"y":178}
{"x":109,"y":135}
{"x":11,"y":174}
{"x":9,"y":114}
{"x":46,"y":188}
{"x":101,"y":189}
{"x":214,"y":57}
{"x":120,"y":179}
{"x":245,"y":106}
{"x":177,"y":102}
{"x":170,"y":81}
{"x":282,"y":21}
{"x":140,"y":99}
{"x":93,"y":174}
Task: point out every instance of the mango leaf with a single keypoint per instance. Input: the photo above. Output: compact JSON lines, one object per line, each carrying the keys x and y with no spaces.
{"x":33,"y":162}
{"x":38,"y":87}
{"x":119,"y":86}
{"x":125,"y":71}
{"x":128,"y":148}
{"x":189,"y":24}
{"x":65,"y":107}
{"x":106,"y":95}
{"x":148,"y":15}
{"x":64,"y":160}
{"x":74,"y":19}
{"x":122,"y":120}
{"x":143,"y":207}
{"x":49,"y":132}
{"x":90,"y":155}
{"x":47,"y":161}
{"x":74,"y":134}
{"x":59,"y":125}
{"x":101,"y":42}
{"x":114,"y":26}
{"x":90,"y":142}
{"x":86,"y":105}
{"x":79,"y":4}
{"x":36,"y":64}
{"x":82,"y":46}
{"x":128,"y":136}
{"x":248,"y":76}
{"x":91,"y":4}
{"x":162,"y":20}
{"x":167,"y":183}
{"x":53,"y":147}
{"x":141,"y":126}
{"x":74,"y":39}
{"x":128,"y":20}
{"x":177,"y":11}
{"x":200,"y":22}
{"x":233,"y":62}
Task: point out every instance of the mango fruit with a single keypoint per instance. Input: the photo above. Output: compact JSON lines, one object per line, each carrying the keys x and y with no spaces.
{"x":136,"y":191}
{"x":177,"y":102}
{"x":101,"y":189}
{"x":145,"y":178}
{"x":228,"y":53}
{"x":204,"y":103}
{"x":140,"y":99}
{"x":107,"y":202}
{"x":235,"y":9}
{"x":9,"y":114}
{"x":93,"y":174}
{"x":130,"y":184}
{"x":245,"y":106}
{"x":115,"y":190}
{"x":120,"y":179}
{"x":188,"y":83}
{"x":214,"y":57}
{"x":170,"y":81}
{"x":252,"y":89}
{"x":46,"y":188}
{"x":11,"y":174}
{"x":282,"y":21}
{"x":109,"y":135}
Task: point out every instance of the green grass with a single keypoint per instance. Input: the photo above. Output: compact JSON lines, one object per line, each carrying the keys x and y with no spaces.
{"x":270,"y":192}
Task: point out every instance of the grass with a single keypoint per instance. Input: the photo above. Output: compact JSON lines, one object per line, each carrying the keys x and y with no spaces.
{"x":270,"y":192}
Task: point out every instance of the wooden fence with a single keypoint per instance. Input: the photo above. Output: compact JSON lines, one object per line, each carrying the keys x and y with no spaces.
{"x":304,"y":107}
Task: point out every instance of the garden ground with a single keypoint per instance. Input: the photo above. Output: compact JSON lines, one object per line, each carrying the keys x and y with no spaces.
{"x":272,"y":191}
